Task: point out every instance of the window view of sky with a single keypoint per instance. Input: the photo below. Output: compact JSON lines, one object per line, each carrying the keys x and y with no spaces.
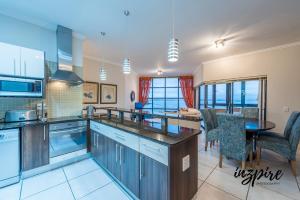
{"x":244,"y":93}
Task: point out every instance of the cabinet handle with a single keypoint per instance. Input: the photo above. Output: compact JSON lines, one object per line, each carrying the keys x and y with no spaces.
{"x":120,"y":136}
{"x":94,"y":139}
{"x":44,"y":133}
{"x":25,"y":70}
{"x":14,"y":66}
{"x":97,"y":140}
{"x":152,"y":149}
{"x":116,"y":153}
{"x":120,"y":154}
{"x":141,"y":167}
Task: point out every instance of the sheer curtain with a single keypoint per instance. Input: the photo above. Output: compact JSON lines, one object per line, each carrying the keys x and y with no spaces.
{"x":262,"y":98}
{"x":144,"y":89}
{"x":187,"y":89}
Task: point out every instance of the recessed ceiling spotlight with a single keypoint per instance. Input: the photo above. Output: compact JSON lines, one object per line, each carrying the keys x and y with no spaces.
{"x":159,"y":72}
{"x":220,"y":43}
{"x":126,"y":12}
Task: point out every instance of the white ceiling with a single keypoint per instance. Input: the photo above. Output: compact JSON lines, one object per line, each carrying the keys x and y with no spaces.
{"x":248,"y":25}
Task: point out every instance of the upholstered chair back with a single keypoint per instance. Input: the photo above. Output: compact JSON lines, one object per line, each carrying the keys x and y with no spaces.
{"x":207,"y":119}
{"x":294,"y":138}
{"x":233,"y":137}
{"x":289,"y":125}
{"x":251,"y":113}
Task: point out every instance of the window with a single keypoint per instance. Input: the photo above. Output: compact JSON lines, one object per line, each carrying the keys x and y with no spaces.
{"x":220,"y":96}
{"x":244,"y":93}
{"x":165,"y":95}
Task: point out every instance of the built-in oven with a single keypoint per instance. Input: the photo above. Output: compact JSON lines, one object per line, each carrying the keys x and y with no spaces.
{"x":20,"y":87}
{"x":67,"y":137}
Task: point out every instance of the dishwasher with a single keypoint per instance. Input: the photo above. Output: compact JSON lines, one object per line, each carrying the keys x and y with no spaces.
{"x":9,"y":157}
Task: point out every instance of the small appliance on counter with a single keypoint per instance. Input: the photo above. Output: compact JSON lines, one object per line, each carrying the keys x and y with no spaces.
{"x":20,"y":115}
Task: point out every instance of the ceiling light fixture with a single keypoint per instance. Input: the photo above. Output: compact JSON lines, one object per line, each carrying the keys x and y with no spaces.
{"x":173,"y":51}
{"x":103,"y":76}
{"x":126,"y":66}
{"x":159,"y":72}
{"x":220,"y":43}
{"x":126,"y":62}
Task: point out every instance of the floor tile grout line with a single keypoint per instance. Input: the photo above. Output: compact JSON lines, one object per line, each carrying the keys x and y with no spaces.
{"x":223,"y":190}
{"x":205,"y":181}
{"x":20,"y":194}
{"x":69,"y":184}
{"x":44,"y":190}
{"x":83,"y":174}
{"x":248,"y":191}
{"x":95,"y":190}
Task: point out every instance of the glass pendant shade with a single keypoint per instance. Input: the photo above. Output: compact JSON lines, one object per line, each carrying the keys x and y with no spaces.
{"x":173,"y":50}
{"x":126,"y":66}
{"x":103,"y":75}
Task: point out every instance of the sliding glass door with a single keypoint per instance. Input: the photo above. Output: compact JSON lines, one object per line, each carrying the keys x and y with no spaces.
{"x":231,"y":96}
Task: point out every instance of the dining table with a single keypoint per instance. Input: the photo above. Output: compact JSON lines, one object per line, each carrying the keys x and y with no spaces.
{"x":254,"y":127}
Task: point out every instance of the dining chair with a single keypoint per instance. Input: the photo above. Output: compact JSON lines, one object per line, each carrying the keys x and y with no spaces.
{"x":212,"y":131}
{"x":233,"y":142}
{"x":251,"y":113}
{"x":285,"y":146}
{"x":288,"y":127}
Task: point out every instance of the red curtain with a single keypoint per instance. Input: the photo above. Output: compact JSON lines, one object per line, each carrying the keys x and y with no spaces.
{"x":186,"y":83}
{"x":144,"y":89}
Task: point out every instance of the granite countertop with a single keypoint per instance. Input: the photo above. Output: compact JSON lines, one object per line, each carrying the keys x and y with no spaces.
{"x":156,"y":115}
{"x":175,"y":135}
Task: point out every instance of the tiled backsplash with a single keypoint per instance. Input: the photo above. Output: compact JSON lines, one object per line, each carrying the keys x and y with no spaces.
{"x":61,"y":99}
{"x":10,"y":103}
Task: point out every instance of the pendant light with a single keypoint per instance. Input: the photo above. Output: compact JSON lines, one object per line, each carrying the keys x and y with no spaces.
{"x":173,"y":51}
{"x":102,"y":71}
{"x":103,"y":76}
{"x":126,"y":62}
{"x":126,"y":66}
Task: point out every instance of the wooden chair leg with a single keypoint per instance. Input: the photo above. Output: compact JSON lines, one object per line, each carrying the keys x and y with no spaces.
{"x":293,"y":167}
{"x":251,"y":158}
{"x":206,"y":144}
{"x":258,"y":155}
{"x":220,"y":160}
{"x":243,"y":164}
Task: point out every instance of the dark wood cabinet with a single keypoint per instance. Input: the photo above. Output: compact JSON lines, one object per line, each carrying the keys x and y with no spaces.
{"x":35,"y":146}
{"x":113,"y":158}
{"x":99,"y":148}
{"x":130,"y":169}
{"x":153,"y":179}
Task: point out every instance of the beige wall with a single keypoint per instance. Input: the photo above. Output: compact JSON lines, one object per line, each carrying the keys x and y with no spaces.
{"x":282,"y":67}
{"x":126,"y":83}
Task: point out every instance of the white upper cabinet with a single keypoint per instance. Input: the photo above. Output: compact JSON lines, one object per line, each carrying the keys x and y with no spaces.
{"x":20,"y":61}
{"x":9,"y":59}
{"x":32,"y":63}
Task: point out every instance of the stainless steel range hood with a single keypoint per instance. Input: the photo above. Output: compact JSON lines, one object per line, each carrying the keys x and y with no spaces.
{"x":64,"y":70}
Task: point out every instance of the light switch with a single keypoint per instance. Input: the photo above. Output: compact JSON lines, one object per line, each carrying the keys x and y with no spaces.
{"x":286,"y":109}
{"x":185,"y":163}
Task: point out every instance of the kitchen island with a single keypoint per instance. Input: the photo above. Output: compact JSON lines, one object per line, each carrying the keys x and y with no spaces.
{"x":149,"y":163}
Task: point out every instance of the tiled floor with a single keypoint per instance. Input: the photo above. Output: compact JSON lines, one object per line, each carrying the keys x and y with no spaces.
{"x":219,"y":183}
{"x":85,"y":180}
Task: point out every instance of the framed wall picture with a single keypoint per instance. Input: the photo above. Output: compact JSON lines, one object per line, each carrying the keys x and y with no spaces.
{"x":90,"y":93}
{"x":108,"y":93}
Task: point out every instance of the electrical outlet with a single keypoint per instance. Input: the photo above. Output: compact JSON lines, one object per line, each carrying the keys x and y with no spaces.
{"x":185,"y":163}
{"x":286,"y":109}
